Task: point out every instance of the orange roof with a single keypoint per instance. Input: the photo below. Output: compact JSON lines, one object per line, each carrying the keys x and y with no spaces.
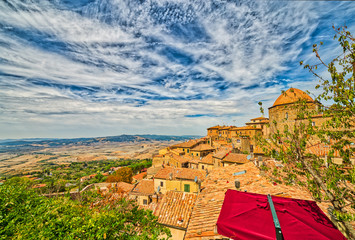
{"x":215,"y":127}
{"x":292,"y":95}
{"x":236,"y":158}
{"x":180,"y":173}
{"x":144,"y":187}
{"x":164,"y":173}
{"x":126,"y":187}
{"x":140,"y":176}
{"x":180,"y":158}
{"x":322,"y":149}
{"x":247,"y":128}
{"x":190,"y":174}
{"x":221,"y":153}
{"x":209,"y":201}
{"x":208,"y":159}
{"x":202,"y":147}
{"x":175,"y":209}
{"x":189,"y":144}
{"x":259,"y":118}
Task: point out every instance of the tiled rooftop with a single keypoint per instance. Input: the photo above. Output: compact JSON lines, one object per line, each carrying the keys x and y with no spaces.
{"x":125,"y":187}
{"x":139,"y":176}
{"x":222,"y":152}
{"x":215,"y":127}
{"x":236,"y":158}
{"x":246,"y":128}
{"x":292,"y":95}
{"x":210,"y":200}
{"x":259,"y":118}
{"x":189,"y":144}
{"x":175,"y":209}
{"x":202,"y":147}
{"x":208,"y":159}
{"x":164,"y":173}
{"x":144,"y":187}
{"x":189,"y":173}
{"x":321,"y":149}
{"x":180,"y":173}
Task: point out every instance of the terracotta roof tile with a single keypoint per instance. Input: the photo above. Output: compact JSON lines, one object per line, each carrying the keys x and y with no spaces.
{"x":139,"y":176}
{"x":259,"y":118}
{"x":208,"y":159}
{"x":144,"y":187}
{"x":322,"y":149}
{"x":164,"y":173}
{"x":180,"y":173}
{"x":126,"y":187}
{"x":210,"y":200}
{"x":236,"y":158}
{"x":175,"y":209}
{"x":202,"y":147}
{"x":246,"y":128}
{"x":189,"y":144}
{"x":189,"y":173}
{"x":292,"y":95}
{"x":222,"y":152}
{"x":215,"y":127}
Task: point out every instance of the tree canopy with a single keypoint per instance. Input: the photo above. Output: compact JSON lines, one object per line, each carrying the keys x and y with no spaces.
{"x":24,"y":214}
{"x":327,"y":180}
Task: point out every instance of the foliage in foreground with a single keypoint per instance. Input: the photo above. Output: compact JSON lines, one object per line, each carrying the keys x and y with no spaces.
{"x":326,"y":180}
{"x":26,"y":215}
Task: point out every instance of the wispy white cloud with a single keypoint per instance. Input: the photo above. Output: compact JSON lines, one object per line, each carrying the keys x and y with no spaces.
{"x":157,"y":66}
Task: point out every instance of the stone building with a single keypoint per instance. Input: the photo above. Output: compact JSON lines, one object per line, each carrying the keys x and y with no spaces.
{"x":285,"y":109}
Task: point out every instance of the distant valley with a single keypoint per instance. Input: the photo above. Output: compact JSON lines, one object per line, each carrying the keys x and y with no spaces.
{"x":28,"y":155}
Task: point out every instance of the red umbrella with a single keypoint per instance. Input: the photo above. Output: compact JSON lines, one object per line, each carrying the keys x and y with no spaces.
{"x":249,"y":216}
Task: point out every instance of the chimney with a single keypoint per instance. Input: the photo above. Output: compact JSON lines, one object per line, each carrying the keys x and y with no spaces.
{"x":155,"y":198}
{"x":237,"y":184}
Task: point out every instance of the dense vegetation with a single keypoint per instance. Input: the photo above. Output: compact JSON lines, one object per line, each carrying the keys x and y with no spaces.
{"x":66,"y":177}
{"x":24,"y":214}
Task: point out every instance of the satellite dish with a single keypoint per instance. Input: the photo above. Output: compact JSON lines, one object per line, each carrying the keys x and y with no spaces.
{"x":195,"y":178}
{"x":249,"y":157}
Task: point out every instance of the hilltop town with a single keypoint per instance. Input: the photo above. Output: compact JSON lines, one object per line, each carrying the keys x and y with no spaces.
{"x":186,"y":184}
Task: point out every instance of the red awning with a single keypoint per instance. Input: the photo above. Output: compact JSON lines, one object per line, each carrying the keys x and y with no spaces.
{"x":248,"y":216}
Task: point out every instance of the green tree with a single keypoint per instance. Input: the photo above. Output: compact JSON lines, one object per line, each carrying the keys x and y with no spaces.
{"x":24,"y":214}
{"x":123,"y":174}
{"x":327,"y":181}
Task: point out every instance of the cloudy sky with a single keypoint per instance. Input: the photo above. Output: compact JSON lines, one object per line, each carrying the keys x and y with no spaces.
{"x":110,"y":67}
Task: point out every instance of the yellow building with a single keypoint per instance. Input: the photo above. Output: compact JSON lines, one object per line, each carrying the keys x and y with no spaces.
{"x":213,"y":132}
{"x":284,"y":111}
{"x":142,"y":192}
{"x":178,"y":179}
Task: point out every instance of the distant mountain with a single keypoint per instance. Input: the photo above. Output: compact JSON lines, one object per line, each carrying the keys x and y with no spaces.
{"x":31,"y":144}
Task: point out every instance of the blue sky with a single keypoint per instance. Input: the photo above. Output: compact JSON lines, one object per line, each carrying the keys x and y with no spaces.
{"x":110,"y":67}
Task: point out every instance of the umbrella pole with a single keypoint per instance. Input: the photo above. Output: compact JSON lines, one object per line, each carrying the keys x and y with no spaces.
{"x":279,"y":235}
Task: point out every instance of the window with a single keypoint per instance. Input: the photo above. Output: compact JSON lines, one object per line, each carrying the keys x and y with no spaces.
{"x":145,"y":202}
{"x":203,"y":167}
{"x":238,"y":140}
{"x":286,"y":116}
{"x":186,"y":187}
{"x":161,"y":184}
{"x":313,"y":124}
{"x":188,"y":150}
